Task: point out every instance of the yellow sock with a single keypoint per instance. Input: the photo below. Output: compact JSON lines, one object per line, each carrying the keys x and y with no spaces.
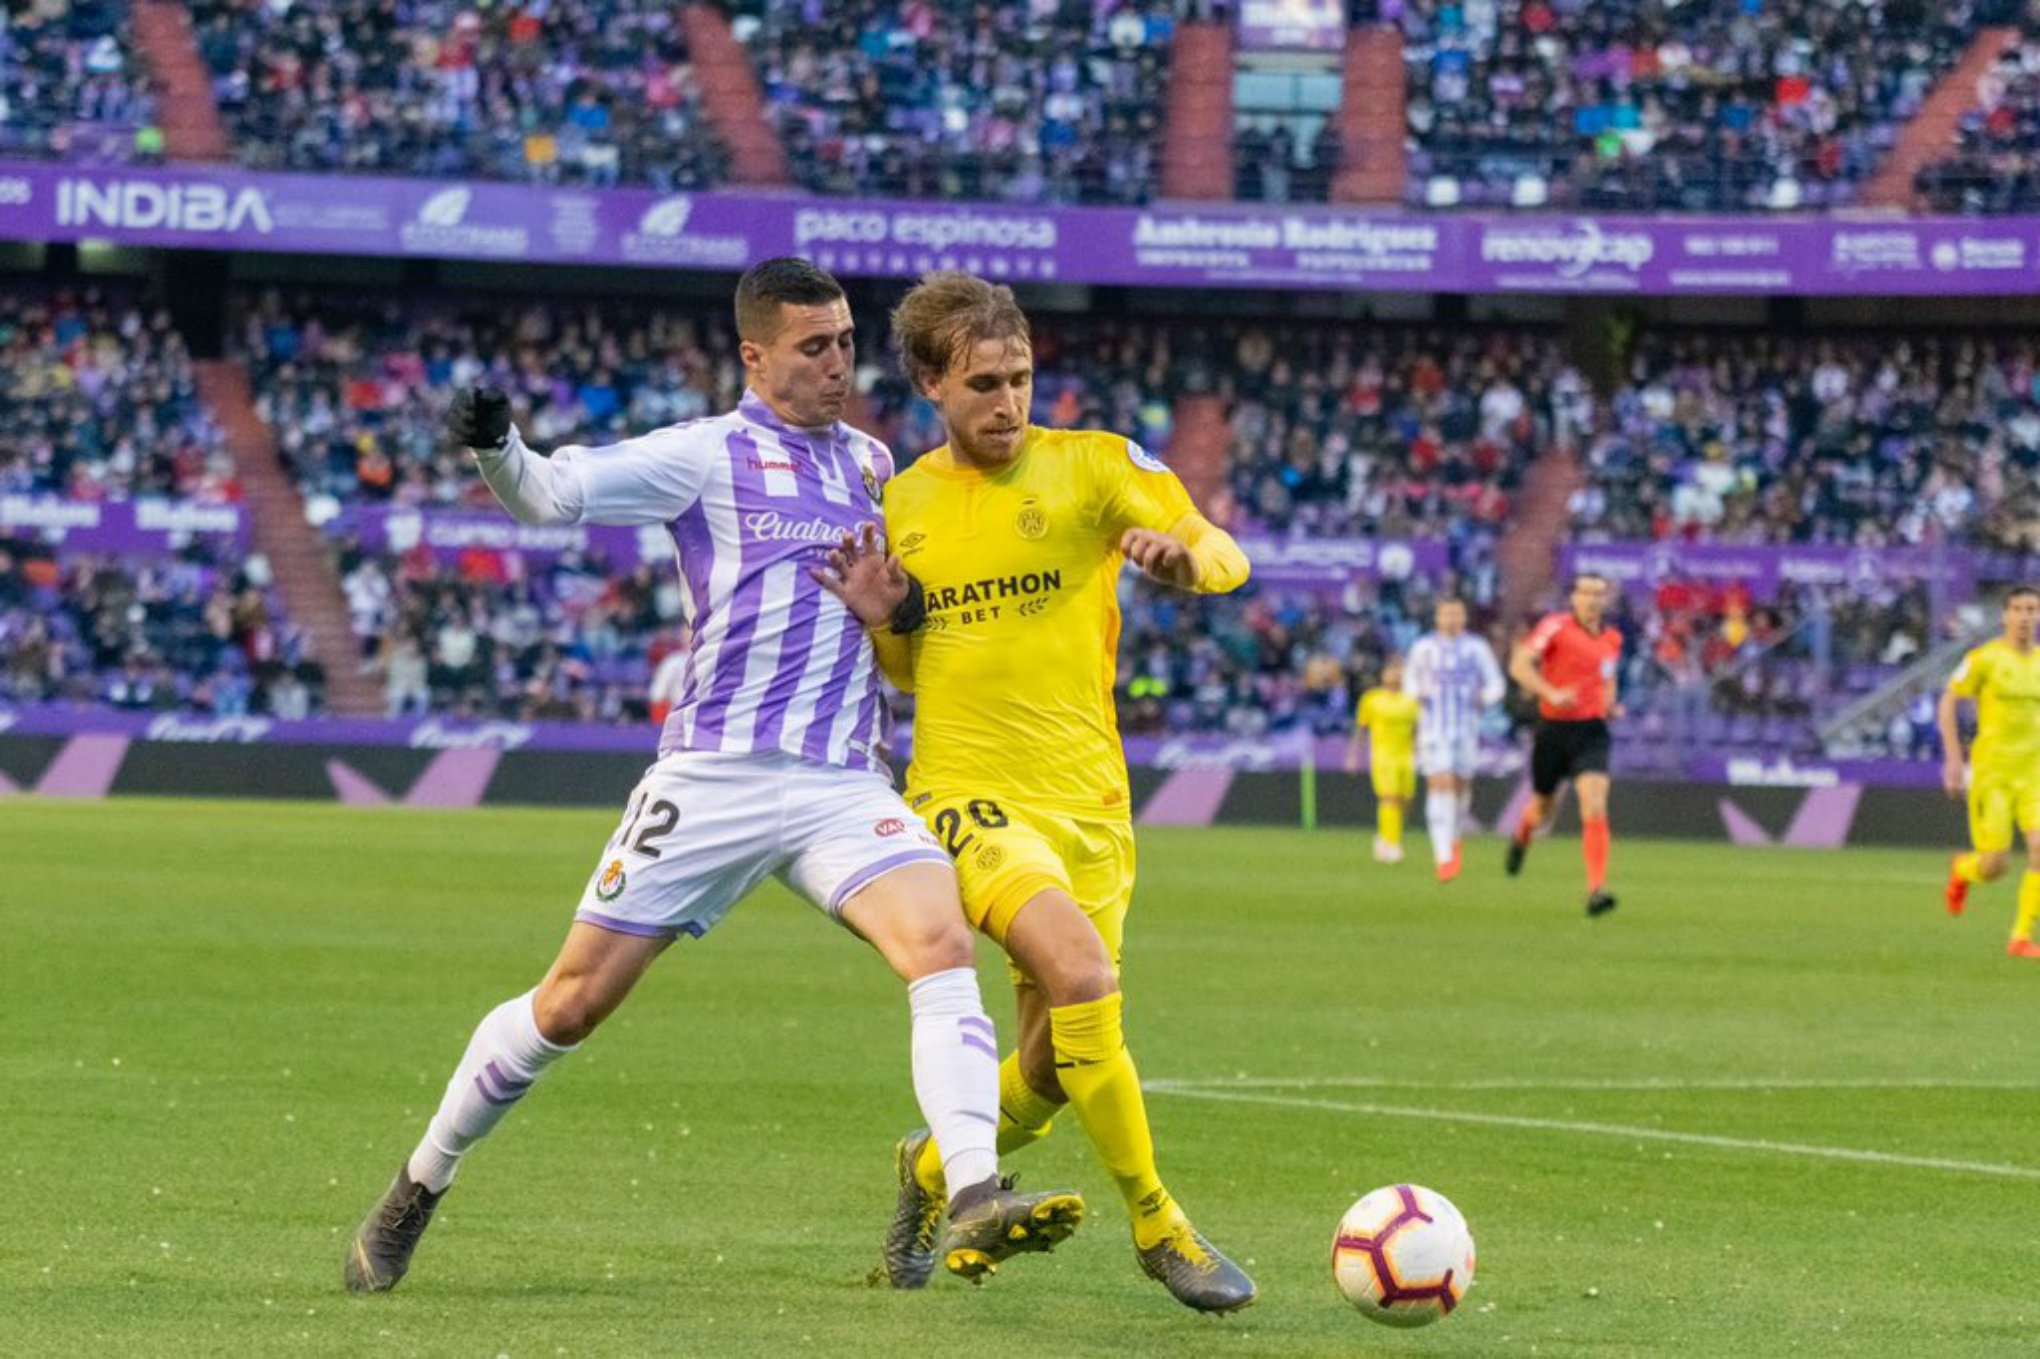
{"x":1024,"y":1116}
{"x":2029,"y":906}
{"x":1391,"y":822}
{"x":1965,"y":869}
{"x":1097,"y":1074}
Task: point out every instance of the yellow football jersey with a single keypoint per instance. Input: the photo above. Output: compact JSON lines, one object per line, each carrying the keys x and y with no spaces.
{"x":1390,"y":716}
{"x":2006,"y":687}
{"x":1013,"y":671}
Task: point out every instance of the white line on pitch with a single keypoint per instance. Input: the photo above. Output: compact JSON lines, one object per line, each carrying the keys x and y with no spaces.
{"x":1880,"y":1158}
{"x":1645,"y":1083}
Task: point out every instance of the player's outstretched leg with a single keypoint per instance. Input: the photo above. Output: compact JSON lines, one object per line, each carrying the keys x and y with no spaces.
{"x":1519,"y":839}
{"x":511,"y":1048}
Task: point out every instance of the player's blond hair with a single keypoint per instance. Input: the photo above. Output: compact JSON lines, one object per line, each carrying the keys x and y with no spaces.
{"x":945,"y":315}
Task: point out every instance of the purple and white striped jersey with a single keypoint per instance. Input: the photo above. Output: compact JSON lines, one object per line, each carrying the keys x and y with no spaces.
{"x":752,"y":503}
{"x":1454,"y":680}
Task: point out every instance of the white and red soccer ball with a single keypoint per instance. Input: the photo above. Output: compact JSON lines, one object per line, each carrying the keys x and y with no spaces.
{"x":1403,"y":1256}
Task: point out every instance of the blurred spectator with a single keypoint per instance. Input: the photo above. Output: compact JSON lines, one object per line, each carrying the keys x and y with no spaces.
{"x":1995,"y":167}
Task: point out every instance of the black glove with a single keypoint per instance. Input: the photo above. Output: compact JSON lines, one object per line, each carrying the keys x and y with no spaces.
{"x":912,"y":611}
{"x":478,"y":418}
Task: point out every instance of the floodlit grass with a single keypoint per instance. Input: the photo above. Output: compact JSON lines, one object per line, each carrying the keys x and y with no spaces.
{"x":1777,"y":1104}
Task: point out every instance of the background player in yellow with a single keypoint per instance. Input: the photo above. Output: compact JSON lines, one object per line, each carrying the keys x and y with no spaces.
{"x":2003,"y":678}
{"x":1014,"y":536}
{"x":1389,"y":717}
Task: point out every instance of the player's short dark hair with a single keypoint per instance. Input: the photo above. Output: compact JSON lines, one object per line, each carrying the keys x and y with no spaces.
{"x":1579,"y":576}
{"x":945,"y":314}
{"x":2022,"y":591}
{"x":1442,"y":600}
{"x":771,"y":284}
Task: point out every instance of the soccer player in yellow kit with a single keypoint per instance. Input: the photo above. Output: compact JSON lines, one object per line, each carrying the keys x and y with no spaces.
{"x":2003,"y":678}
{"x":1389,"y":717}
{"x":1014,"y":536}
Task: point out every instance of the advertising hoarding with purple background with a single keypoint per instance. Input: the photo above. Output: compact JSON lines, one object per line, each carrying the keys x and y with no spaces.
{"x":1320,"y":248}
{"x":1289,"y":25}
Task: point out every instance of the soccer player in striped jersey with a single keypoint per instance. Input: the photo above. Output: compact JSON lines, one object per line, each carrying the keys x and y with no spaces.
{"x":1455,"y":679}
{"x":2002,"y":677}
{"x":769,"y":764}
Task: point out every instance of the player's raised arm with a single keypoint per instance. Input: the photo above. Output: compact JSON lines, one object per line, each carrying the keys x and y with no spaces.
{"x":648,"y":480}
{"x":1164,"y":535}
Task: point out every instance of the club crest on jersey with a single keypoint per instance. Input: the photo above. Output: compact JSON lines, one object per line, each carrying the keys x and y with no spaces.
{"x":1144,"y":460}
{"x":871,"y":486}
{"x":610,"y":885}
{"x":1032,"y":522}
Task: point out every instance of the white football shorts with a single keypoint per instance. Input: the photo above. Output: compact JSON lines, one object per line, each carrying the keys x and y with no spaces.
{"x":704,"y":828}
{"x":1447,"y":750}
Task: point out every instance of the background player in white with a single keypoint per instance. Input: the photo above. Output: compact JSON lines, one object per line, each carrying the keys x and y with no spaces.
{"x":768,"y":764}
{"x":1455,"y":678}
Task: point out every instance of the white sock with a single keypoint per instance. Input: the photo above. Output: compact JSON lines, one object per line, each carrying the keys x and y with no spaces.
{"x":1441,"y":814}
{"x":502,"y":1060}
{"x":956,"y":1074}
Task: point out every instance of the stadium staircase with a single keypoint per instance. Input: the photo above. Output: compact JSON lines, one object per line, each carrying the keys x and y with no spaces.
{"x":1199,"y":447}
{"x":1197,"y":155}
{"x":187,"y":113}
{"x":732,"y":99}
{"x":1528,"y":552}
{"x":1930,"y":136}
{"x":1373,"y":114}
{"x":305,"y":575}
{"x":1858,"y":726}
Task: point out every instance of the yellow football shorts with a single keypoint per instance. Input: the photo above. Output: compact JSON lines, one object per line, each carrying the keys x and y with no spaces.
{"x":1394,"y":776}
{"x":1007,"y":854}
{"x":1998,"y":807}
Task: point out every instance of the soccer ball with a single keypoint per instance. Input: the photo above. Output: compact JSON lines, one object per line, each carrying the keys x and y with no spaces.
{"x":1403,"y":1256}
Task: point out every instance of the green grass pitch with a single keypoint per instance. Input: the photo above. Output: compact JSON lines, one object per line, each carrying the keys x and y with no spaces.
{"x":1778,"y":1103}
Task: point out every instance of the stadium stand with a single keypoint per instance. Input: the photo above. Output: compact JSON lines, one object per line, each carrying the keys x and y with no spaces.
{"x":1717,"y":105}
{"x":70,"y":86}
{"x":98,"y":401}
{"x":570,"y":94}
{"x":1050,"y":102}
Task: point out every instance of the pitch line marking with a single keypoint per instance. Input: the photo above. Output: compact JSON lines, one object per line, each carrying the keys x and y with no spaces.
{"x":1879,"y":1158}
{"x":1644,"y":1083}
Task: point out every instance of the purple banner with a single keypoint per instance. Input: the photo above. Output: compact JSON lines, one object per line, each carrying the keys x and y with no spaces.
{"x":1764,"y":569}
{"x":135,"y":526}
{"x":1227,"y":244}
{"x":449,"y":533}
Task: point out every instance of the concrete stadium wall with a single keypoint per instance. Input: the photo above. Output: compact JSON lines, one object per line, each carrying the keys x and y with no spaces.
{"x":102,"y":764}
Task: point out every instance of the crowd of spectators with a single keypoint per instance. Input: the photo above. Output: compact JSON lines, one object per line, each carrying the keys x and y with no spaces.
{"x":196,"y":631}
{"x":98,"y":402}
{"x":1866,"y":440}
{"x":1050,"y":101}
{"x":1995,"y":167}
{"x":356,"y":394}
{"x":1636,"y":105}
{"x":70,"y":85}
{"x":493,"y":634}
{"x":592,"y":94}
